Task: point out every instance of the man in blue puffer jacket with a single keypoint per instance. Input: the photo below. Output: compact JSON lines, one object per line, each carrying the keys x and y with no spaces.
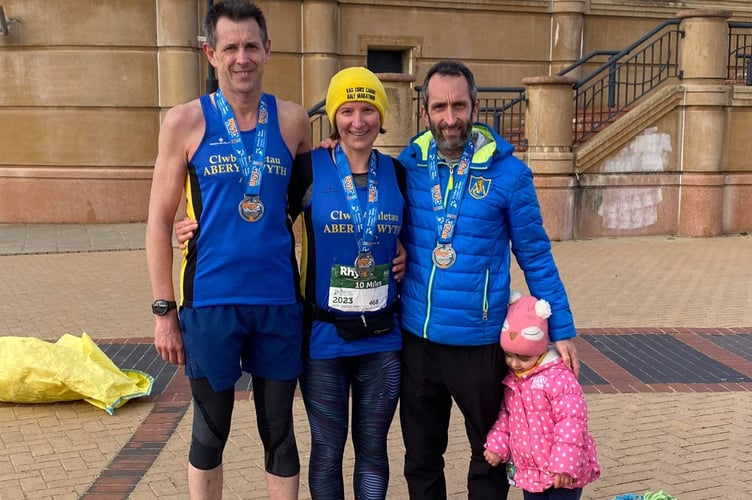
{"x":469,"y":203}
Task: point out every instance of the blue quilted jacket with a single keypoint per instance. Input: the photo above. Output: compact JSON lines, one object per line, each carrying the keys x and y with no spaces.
{"x":466,"y":303}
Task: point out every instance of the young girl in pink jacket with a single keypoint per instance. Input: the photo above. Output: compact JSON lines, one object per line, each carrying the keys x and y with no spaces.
{"x":541,"y":433}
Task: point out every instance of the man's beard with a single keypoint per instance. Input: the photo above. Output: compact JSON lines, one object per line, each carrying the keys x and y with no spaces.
{"x":452,"y":147}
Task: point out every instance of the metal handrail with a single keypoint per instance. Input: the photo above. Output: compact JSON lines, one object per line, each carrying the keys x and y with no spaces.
{"x":740,"y":52}
{"x":320,"y":126}
{"x":587,"y":59}
{"x":625,"y":77}
{"x":601,"y":95}
{"x":624,"y":52}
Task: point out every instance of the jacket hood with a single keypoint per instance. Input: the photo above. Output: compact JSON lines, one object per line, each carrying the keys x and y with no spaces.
{"x":488,"y":144}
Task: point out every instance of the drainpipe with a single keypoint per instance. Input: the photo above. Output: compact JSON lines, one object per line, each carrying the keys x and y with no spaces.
{"x":211,"y":78}
{"x":703,"y":56}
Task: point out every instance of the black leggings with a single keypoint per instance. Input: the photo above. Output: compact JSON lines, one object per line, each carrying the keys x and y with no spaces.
{"x":212,"y":418}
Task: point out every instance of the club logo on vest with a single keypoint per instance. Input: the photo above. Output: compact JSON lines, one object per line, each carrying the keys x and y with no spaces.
{"x":478,"y":187}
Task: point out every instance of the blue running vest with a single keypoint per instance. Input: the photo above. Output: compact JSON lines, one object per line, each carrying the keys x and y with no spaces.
{"x":329,"y":240}
{"x":231,"y":261}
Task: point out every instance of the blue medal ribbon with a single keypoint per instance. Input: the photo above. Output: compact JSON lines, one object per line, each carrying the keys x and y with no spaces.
{"x":252,"y":171}
{"x":446,"y":217}
{"x":365,"y":227}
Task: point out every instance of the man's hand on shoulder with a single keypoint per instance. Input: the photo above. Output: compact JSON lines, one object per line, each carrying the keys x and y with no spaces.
{"x":398,"y":263}
{"x":568,"y":352}
{"x":328,"y":143}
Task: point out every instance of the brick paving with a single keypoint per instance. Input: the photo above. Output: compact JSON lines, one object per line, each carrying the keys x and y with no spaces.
{"x":665,"y":334}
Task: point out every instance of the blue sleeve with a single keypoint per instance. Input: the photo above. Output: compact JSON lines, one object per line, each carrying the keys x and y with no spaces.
{"x":532,"y":249}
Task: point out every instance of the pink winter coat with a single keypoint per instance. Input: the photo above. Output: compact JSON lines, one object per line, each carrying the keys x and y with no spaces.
{"x":543,"y":421}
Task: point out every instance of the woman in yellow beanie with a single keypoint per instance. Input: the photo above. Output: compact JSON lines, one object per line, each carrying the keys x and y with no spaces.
{"x":352,"y":203}
{"x":352,"y":216}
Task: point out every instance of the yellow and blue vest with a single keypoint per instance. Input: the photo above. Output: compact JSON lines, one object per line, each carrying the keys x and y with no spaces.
{"x":231,"y":261}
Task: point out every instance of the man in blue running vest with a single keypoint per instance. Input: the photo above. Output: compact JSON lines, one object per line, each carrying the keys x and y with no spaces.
{"x":231,"y":152}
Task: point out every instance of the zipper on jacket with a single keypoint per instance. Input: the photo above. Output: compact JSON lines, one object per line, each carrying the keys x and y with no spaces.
{"x":450,"y":183}
{"x":428,"y":302}
{"x":485,"y":294}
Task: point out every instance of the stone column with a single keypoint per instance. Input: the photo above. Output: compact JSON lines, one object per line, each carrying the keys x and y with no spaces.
{"x":548,"y":129}
{"x":566,"y":34}
{"x":178,"y":59}
{"x":398,"y":120}
{"x":320,"y":46}
{"x":703,"y":55}
{"x":703,"y":52}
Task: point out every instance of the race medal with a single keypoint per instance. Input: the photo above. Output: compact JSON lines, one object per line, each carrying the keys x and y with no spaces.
{"x":363,"y":223}
{"x":364,"y":265}
{"x":447,"y":210}
{"x":251,"y":208}
{"x":444,"y":256}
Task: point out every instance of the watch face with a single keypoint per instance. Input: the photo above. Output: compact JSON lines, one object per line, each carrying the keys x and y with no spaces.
{"x":160,"y":307}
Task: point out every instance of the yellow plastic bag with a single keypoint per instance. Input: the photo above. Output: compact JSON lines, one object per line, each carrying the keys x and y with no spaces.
{"x":36,"y":371}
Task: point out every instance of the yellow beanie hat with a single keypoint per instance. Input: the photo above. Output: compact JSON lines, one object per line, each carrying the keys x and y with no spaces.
{"x":355,"y":84}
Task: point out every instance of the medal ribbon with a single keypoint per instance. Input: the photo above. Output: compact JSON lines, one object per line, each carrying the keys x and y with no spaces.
{"x":367,"y":229}
{"x":446,"y":218}
{"x":253,"y":171}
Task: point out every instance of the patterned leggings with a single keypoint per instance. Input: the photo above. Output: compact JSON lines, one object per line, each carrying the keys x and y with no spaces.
{"x":326,"y":383}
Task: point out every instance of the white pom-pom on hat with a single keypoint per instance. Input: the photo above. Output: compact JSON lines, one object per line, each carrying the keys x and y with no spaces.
{"x":543,"y":309}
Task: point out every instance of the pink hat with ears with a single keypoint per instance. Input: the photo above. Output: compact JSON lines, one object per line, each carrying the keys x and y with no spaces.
{"x":525,"y":330}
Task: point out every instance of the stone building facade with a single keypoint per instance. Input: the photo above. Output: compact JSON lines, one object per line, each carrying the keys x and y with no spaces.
{"x":84,"y":84}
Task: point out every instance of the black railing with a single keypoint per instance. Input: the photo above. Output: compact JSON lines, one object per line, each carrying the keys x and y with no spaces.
{"x":588,"y":58}
{"x":501,"y":108}
{"x":320,"y":126}
{"x":625,"y":77}
{"x":740,"y":52}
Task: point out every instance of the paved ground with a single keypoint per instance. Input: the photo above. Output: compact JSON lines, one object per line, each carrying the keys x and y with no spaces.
{"x":665,"y":333}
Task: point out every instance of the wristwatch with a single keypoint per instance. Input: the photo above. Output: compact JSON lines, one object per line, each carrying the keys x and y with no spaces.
{"x":160,"y":307}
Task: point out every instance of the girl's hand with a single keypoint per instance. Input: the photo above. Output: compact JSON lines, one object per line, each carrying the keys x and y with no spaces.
{"x":562,"y":480}
{"x":492,"y":458}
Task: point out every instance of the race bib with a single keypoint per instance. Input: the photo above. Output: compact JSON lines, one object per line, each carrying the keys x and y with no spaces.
{"x":349,"y":293}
